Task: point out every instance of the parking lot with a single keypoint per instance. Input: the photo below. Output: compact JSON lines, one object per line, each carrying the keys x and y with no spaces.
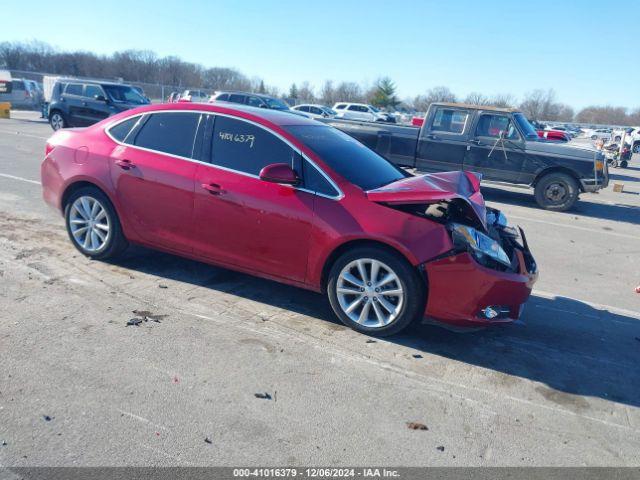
{"x":80,"y":387}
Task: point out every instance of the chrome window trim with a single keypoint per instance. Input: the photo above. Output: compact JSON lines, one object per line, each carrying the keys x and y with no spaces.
{"x":107,"y":129}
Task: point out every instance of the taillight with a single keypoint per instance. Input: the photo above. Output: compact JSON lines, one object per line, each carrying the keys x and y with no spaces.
{"x":48,"y":148}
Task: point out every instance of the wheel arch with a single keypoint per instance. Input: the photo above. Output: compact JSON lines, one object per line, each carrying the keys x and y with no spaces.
{"x":82,"y":183}
{"x":355,"y":243}
{"x":558,"y":169}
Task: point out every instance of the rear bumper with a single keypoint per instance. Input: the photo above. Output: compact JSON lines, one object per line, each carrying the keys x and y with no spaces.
{"x":460,"y":289}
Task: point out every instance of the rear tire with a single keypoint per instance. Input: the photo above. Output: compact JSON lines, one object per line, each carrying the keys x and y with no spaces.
{"x":557,"y":191}
{"x":361,"y":304}
{"x":624,"y":164}
{"x":93,"y":224}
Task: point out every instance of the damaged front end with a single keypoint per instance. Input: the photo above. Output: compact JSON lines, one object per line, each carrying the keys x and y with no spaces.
{"x":487,"y":275}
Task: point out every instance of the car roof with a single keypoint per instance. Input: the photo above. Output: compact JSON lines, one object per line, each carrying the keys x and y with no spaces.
{"x":92,"y":82}
{"x":469,"y":106}
{"x":261,"y":95}
{"x":275,"y":117}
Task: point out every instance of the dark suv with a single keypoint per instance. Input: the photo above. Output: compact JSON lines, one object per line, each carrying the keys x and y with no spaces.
{"x":79,"y":103}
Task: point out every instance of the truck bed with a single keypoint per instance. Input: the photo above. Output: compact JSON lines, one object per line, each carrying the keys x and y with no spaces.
{"x":397,"y":143}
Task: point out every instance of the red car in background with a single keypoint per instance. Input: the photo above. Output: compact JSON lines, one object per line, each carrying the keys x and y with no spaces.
{"x":555,"y":135}
{"x":292,"y":200}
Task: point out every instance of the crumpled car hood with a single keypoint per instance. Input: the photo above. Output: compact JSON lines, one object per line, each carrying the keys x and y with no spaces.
{"x":433,"y":188}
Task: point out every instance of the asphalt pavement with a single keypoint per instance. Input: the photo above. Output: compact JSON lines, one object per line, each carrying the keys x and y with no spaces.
{"x":80,"y":387}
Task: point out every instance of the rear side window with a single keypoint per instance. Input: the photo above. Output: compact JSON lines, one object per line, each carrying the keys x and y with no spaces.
{"x":73,"y":89}
{"x":449,"y":120}
{"x":236,"y":98}
{"x":244,"y":147}
{"x":254,"y":101}
{"x":122,"y":130}
{"x":173,"y":133}
{"x":92,"y":90}
{"x":340,"y":107}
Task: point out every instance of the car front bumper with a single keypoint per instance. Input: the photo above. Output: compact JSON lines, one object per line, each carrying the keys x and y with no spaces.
{"x":460,"y":290}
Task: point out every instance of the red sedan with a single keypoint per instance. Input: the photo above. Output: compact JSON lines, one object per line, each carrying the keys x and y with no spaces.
{"x":293,"y":200}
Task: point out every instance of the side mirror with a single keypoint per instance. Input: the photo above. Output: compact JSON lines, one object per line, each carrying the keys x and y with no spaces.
{"x":279,"y":173}
{"x":100,"y":98}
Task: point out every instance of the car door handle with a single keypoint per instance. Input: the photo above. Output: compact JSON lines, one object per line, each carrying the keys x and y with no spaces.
{"x":84,"y":104}
{"x":125,"y":164}
{"x":431,"y":136}
{"x":213,"y":188}
{"x":476,"y":142}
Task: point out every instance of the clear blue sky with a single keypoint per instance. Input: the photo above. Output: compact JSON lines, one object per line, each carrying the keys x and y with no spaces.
{"x":587,"y":51}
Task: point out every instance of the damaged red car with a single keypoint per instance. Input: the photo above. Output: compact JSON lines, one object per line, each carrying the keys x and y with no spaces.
{"x":293,"y":200}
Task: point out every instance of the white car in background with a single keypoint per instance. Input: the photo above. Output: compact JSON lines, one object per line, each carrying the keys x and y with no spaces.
{"x":196,"y":96}
{"x":633,"y":139}
{"x":598,"y":133}
{"x":313,"y":110}
{"x":361,"y":111}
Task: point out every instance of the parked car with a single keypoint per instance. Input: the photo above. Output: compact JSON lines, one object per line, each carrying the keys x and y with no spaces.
{"x":599,"y":134}
{"x":257,"y":100}
{"x":198,"y":96}
{"x":633,"y":139}
{"x":5,"y":82}
{"x":252,"y":99}
{"x":315,"y":111}
{"x":24,"y":95}
{"x":361,"y":111}
{"x":554,"y":135}
{"x":78,"y":103}
{"x":498,"y":143}
{"x":289,"y":199}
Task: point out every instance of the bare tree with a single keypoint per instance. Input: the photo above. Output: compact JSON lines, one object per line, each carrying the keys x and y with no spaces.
{"x":476,"y":98}
{"x":604,"y":115}
{"x":436,"y":94}
{"x":504,"y":100}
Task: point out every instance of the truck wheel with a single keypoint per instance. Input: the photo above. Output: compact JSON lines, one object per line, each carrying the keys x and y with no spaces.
{"x":375,"y":291}
{"x":556,"y":191}
{"x":57,"y":121}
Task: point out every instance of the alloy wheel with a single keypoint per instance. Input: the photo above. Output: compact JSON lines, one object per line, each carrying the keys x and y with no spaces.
{"x":57,"y":122}
{"x":89,"y":224}
{"x":370,"y":292}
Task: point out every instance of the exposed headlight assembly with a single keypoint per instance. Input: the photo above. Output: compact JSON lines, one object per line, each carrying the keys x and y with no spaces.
{"x":478,"y":244}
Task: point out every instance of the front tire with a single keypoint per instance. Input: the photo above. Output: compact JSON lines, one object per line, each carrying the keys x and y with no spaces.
{"x":93,"y":224}
{"x":624,"y":164}
{"x":375,"y":291}
{"x":57,"y":121}
{"x":557,"y":191}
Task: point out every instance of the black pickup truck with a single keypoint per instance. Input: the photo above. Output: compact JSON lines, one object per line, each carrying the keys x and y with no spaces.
{"x":498,"y":143}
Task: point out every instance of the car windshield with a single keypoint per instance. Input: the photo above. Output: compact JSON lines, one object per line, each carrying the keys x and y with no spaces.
{"x":124,"y":94}
{"x":347,"y":157}
{"x":329,"y":111}
{"x":276,"y":104}
{"x":374,"y":109}
{"x":528,"y":130}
